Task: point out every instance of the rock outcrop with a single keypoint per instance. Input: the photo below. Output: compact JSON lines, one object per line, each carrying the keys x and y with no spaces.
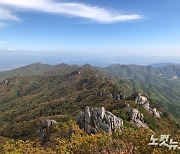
{"x":45,"y":127}
{"x":116,"y":96}
{"x":156,"y":113}
{"x":142,"y":100}
{"x":97,"y":120}
{"x":137,"y":118}
{"x":6,"y":82}
{"x":48,"y":124}
{"x":119,"y":97}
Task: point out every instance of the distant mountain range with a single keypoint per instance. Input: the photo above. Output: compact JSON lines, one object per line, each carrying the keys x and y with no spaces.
{"x":163,"y":64}
{"x":13,"y":59}
{"x":164,"y":70}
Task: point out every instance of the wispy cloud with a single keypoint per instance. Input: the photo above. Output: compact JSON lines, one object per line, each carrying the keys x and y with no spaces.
{"x":7,"y":15}
{"x":81,"y":10}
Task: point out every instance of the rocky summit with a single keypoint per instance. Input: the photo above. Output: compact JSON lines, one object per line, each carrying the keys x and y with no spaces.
{"x":97,"y":120}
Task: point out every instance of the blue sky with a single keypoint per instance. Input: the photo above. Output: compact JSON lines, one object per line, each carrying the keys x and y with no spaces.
{"x":123,"y":27}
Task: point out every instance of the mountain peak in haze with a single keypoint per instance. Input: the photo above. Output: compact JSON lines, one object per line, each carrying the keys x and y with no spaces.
{"x":163,"y":64}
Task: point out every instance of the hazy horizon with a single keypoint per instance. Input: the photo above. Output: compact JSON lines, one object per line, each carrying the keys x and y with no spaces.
{"x":14,"y":59}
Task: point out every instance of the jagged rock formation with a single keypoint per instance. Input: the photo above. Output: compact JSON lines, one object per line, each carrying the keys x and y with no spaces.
{"x":156,"y":113}
{"x":45,"y":127}
{"x":96,"y":120}
{"x":137,"y":118}
{"x":142,"y":100}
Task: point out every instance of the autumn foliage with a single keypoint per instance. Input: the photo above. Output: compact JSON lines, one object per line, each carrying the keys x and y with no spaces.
{"x":128,"y":142}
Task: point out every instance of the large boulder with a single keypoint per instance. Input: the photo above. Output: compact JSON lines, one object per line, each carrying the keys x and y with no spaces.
{"x":97,"y":120}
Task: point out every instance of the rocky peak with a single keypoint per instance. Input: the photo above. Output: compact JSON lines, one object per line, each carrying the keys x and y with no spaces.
{"x":96,"y":120}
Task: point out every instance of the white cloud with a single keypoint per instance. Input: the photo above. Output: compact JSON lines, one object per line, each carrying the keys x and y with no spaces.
{"x":7,"y":15}
{"x":95,"y":13}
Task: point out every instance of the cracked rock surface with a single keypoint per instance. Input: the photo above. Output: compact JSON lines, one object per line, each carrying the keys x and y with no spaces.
{"x":97,"y":120}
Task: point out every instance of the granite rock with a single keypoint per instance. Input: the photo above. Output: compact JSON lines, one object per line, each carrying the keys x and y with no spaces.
{"x":97,"y":120}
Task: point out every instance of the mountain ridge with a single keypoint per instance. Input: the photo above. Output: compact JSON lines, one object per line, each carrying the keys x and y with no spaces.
{"x":64,"y":91}
{"x":26,"y":99}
